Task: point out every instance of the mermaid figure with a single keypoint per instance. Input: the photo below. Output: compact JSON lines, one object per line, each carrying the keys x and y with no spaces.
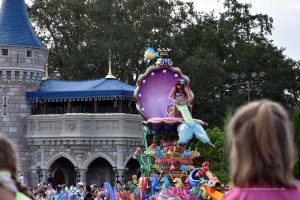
{"x":180,"y":95}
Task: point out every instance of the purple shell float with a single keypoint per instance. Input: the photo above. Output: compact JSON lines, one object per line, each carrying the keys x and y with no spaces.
{"x":151,"y":96}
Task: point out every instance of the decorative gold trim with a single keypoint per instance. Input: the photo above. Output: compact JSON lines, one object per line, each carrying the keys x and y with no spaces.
{"x":109,"y":75}
{"x":46,"y":77}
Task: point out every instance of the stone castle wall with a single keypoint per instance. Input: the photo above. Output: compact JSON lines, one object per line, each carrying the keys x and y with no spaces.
{"x":42,"y":139}
{"x":79,"y":155}
{"x":18,"y":75}
{"x":82,"y":138}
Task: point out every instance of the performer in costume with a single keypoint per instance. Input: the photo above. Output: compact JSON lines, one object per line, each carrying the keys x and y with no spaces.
{"x":180,"y":95}
{"x":171,"y":113}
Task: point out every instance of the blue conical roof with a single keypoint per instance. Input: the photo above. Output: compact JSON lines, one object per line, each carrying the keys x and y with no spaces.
{"x":15,"y":27}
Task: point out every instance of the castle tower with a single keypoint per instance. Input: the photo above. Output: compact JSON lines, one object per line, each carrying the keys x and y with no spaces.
{"x":22,"y":61}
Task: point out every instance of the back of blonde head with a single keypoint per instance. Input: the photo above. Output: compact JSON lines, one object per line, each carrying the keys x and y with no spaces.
{"x":8,"y":156}
{"x":261,"y":146}
{"x":9,"y":161}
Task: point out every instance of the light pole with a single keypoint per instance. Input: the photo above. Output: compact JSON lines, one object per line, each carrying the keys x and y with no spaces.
{"x":250,"y":83}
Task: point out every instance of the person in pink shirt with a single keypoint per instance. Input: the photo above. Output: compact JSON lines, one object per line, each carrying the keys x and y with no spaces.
{"x":261,"y":153}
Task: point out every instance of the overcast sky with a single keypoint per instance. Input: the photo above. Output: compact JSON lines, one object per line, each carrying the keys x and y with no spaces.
{"x":285,"y":13}
{"x":286,"y":16}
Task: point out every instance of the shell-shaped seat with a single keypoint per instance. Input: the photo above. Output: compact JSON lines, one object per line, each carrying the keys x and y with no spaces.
{"x":151,"y":96}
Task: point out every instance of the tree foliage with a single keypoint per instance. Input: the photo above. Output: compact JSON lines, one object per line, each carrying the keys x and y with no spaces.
{"x":206,"y":46}
{"x":213,"y":48}
{"x":80,"y":33}
{"x":296,"y":126}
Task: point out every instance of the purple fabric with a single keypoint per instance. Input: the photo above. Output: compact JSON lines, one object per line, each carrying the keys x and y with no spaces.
{"x":263,"y":193}
{"x":154,"y":92}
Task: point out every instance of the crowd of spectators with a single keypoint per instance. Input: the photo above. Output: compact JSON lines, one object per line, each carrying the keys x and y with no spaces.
{"x":13,"y":185}
{"x":45,"y":191}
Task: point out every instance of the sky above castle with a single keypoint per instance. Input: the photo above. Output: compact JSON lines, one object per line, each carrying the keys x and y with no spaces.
{"x":285,"y":13}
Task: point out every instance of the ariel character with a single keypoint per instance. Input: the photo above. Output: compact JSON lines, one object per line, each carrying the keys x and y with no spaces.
{"x":171,"y":113}
{"x":180,"y":95}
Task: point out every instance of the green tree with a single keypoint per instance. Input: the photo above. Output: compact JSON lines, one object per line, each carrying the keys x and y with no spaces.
{"x":195,"y":52}
{"x":80,"y":33}
{"x":207,"y":47}
{"x":235,"y":42}
{"x":296,"y":124}
{"x":64,"y":27}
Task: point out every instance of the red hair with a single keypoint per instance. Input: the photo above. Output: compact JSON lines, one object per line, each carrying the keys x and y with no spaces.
{"x":181,"y":89}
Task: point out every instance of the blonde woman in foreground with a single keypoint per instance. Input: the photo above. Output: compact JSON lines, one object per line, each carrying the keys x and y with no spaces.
{"x":262,"y":153}
{"x":10,"y":188}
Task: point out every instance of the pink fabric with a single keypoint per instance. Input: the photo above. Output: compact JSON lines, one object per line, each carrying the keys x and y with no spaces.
{"x":263,"y":193}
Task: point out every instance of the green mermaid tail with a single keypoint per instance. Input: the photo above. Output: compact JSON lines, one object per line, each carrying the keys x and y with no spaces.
{"x":189,"y":127}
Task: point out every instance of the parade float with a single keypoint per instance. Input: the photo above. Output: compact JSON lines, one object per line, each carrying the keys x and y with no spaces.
{"x":167,"y":171}
{"x":164,"y":100}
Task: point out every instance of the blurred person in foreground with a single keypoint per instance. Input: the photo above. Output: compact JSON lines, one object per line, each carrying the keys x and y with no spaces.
{"x":261,"y":153}
{"x":10,"y":188}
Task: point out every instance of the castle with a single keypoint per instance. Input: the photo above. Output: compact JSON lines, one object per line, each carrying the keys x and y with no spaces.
{"x":87,"y":134}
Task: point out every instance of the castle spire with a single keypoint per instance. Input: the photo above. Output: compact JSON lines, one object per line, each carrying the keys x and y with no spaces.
{"x":15,"y":27}
{"x":46,"y":73}
{"x":109,"y":75}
